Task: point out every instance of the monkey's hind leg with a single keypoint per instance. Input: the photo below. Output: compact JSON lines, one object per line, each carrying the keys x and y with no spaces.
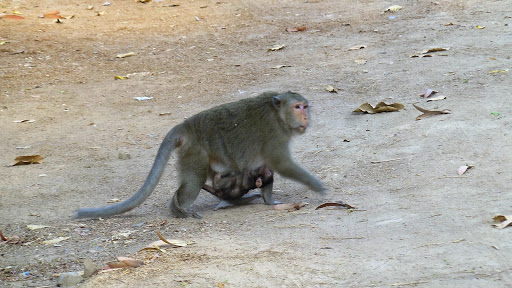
{"x":266,"y":193}
{"x":246,"y":199}
{"x":194,"y":167}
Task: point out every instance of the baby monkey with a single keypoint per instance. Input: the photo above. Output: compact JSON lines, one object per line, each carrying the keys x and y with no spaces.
{"x":233,"y":187}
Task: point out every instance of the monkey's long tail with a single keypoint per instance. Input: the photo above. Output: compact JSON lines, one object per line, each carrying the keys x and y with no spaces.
{"x":171,"y":141}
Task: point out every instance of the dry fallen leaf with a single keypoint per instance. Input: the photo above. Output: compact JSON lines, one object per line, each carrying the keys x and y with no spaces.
{"x":155,"y":245}
{"x":54,"y":241}
{"x":117,"y":77}
{"x":428,"y":93}
{"x":36,"y":227}
{"x":276,"y":48}
{"x":114,"y":200}
{"x":380,"y":107}
{"x":11,"y":240}
{"x":393,"y":8}
{"x":437,"y":98}
{"x":360,"y":61}
{"x":420,"y":56}
{"x":498,"y":71}
{"x":358,"y":47}
{"x":24,"y":121}
{"x":289,"y":206}
{"x":429,"y":113}
{"x":296,"y":29}
{"x":505,"y":220}
{"x":130,"y":261}
{"x":462,"y":169}
{"x":125,"y":262}
{"x":280,"y":66}
{"x":436,"y":49}
{"x":124,"y":55}
{"x":13,"y":17}
{"x":28,"y":159}
{"x":177,"y":243}
{"x":335,"y":204}
{"x":53,"y":14}
{"x":331,"y":89}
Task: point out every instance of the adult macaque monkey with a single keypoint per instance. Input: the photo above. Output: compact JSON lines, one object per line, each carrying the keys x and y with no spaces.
{"x":238,"y":136}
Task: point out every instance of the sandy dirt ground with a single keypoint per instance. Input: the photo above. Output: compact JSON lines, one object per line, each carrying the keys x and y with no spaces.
{"x":416,"y":222}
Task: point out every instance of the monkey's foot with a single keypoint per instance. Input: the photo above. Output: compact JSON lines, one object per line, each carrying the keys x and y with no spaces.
{"x":274,"y":203}
{"x":179,"y":212}
{"x":246,"y":199}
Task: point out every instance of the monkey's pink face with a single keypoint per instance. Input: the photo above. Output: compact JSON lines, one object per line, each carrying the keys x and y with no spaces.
{"x":300,"y":111}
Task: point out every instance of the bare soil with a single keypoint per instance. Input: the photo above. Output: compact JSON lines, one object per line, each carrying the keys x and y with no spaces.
{"x":417,"y":222}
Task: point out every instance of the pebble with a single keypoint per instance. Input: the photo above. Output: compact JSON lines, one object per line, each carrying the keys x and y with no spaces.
{"x":89,"y":268}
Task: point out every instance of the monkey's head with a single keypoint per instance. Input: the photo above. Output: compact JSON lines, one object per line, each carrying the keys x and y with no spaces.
{"x":293,"y":109}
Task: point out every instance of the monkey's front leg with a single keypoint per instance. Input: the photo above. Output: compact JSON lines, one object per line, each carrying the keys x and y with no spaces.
{"x":266,"y":193}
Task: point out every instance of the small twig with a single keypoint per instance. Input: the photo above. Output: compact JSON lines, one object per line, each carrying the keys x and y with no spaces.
{"x":388,"y":160}
{"x":351,"y":238}
{"x":409,"y":284}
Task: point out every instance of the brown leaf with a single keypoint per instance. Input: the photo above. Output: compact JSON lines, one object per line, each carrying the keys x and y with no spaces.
{"x":124,"y":55}
{"x":358,"y":47}
{"x":380,"y":107}
{"x":155,"y":245}
{"x":24,"y":121}
{"x":116,"y":265}
{"x":437,"y":98}
{"x":130,"y":261}
{"x":54,"y":241}
{"x":437,"y":49}
{"x":506,"y":220}
{"x":53,"y":15}
{"x":176,"y":243}
{"x":296,"y":29}
{"x":13,"y":17}
{"x":12,"y":240}
{"x":428,"y":93}
{"x":336,"y":204}
{"x":289,"y":206}
{"x":429,"y":113}
{"x":28,"y":159}
{"x":280,"y":66}
{"x":331,"y":89}
{"x":276,"y":48}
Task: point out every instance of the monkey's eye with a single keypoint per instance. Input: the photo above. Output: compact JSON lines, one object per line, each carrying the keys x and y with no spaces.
{"x":306,"y":106}
{"x":297,"y":106}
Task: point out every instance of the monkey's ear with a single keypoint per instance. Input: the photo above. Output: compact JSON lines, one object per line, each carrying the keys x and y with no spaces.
{"x":276,"y":101}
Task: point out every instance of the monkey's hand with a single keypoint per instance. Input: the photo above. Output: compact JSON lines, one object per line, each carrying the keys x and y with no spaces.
{"x":317,"y":186}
